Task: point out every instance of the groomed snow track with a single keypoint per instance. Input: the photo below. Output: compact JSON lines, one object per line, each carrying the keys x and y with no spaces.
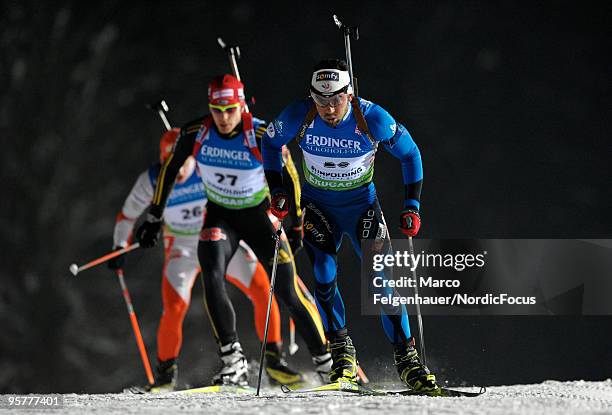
{"x":550,"y":397}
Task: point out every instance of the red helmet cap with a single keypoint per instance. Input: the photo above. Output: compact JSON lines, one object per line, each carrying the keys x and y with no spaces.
{"x":225,"y":90}
{"x":166,"y":144}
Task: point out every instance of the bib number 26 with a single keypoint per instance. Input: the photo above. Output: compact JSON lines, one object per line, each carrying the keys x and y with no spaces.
{"x":196,"y":212}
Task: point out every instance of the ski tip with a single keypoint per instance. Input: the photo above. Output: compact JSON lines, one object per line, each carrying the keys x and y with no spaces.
{"x":464,"y":394}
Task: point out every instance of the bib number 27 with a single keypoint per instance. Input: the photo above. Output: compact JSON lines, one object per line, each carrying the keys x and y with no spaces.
{"x":221,"y":178}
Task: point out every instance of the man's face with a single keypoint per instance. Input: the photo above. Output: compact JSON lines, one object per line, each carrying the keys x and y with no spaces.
{"x":226,"y":118}
{"x":334,"y":112}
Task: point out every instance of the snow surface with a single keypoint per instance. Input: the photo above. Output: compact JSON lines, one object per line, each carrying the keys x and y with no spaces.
{"x":550,"y":397}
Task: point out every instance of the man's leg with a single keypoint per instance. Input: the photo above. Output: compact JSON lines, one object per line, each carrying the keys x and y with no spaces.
{"x":257,"y":231}
{"x":322,"y":240}
{"x":247,"y":273}
{"x":179,"y":273}
{"x":371,"y":225}
{"x":218,"y":242}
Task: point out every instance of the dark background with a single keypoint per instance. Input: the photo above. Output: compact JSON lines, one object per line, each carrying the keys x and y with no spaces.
{"x":508,"y":101}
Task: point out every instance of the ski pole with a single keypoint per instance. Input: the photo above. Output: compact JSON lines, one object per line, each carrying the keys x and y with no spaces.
{"x":161,"y":108}
{"x":293,"y":346}
{"x":418,"y":308}
{"x":348,"y":32}
{"x":277,"y":236}
{"x":75,"y":269}
{"x":135,"y":327}
{"x":233,"y":53}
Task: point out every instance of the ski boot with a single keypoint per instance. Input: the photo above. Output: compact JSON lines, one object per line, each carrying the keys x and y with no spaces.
{"x":412,"y":372}
{"x":344,"y":357}
{"x":235,"y":367}
{"x":279,"y":372}
{"x":323,"y":365}
{"x":166,"y":374}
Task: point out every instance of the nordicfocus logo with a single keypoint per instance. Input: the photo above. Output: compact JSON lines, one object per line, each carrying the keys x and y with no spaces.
{"x":320,"y":141}
{"x":328,"y":76}
{"x":209,"y":151}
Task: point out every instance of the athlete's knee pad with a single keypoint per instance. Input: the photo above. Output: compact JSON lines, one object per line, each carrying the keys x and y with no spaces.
{"x":319,"y":229}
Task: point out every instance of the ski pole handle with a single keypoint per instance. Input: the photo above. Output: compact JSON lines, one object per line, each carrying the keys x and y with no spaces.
{"x":233,"y":53}
{"x":75,"y":269}
{"x":161,"y":108}
{"x":349,"y":31}
{"x":293,"y":346}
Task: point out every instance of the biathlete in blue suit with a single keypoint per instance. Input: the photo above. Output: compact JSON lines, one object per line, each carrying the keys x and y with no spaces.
{"x":339,"y":134}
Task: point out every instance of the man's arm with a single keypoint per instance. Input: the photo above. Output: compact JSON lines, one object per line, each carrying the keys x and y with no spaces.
{"x":148,"y":232}
{"x":278,"y":133}
{"x":399,"y":143}
{"x":402,"y":146}
{"x":291,"y":175}
{"x":169,"y":170}
{"x":293,"y":229}
{"x":135,"y":204}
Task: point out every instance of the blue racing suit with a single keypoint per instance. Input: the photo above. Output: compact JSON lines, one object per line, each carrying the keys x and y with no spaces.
{"x":339,"y":196}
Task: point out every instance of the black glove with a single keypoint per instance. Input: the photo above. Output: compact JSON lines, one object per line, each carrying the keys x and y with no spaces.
{"x":117,"y":262}
{"x":294,"y":235}
{"x":147,"y":233}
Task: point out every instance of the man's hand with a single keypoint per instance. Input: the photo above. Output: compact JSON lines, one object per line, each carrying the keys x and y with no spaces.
{"x":117,"y":262}
{"x":294,"y":235}
{"x":410,"y":221}
{"x":148,"y":232}
{"x":279,"y":206}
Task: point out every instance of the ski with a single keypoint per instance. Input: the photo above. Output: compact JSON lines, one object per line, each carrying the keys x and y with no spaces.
{"x":443,"y":392}
{"x":340,"y":386}
{"x":218,"y":389}
{"x":203,"y":389}
{"x":351,"y":387}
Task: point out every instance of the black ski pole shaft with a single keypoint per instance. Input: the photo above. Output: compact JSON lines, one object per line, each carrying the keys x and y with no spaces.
{"x":277,"y":236}
{"x":418,"y":308}
{"x":161,"y":108}
{"x":349,"y":31}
